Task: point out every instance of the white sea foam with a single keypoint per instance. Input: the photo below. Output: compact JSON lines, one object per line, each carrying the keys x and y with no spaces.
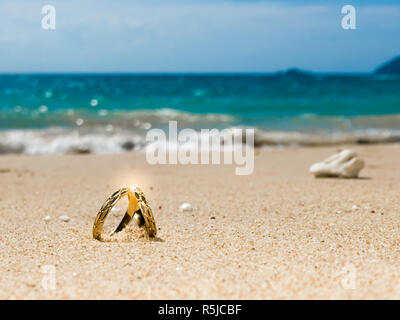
{"x":165,"y":114}
{"x":115,"y":140}
{"x":64,"y":141}
{"x":293,"y":138}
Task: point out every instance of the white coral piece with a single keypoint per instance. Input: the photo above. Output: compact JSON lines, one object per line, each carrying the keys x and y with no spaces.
{"x":343,"y":164}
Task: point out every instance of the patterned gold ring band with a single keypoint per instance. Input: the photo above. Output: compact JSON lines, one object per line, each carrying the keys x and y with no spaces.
{"x":138,"y":209}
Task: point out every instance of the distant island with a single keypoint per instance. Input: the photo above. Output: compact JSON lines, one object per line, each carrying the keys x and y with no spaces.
{"x":391,"y":67}
{"x":294,"y":72}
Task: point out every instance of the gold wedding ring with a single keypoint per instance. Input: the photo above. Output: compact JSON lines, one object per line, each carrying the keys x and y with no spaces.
{"x":138,"y":209}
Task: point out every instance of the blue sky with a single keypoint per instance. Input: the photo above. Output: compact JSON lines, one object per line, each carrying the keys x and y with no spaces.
{"x":197,"y":36}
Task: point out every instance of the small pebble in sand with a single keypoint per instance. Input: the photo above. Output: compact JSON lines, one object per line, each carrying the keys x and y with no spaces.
{"x":74,"y":274}
{"x":186,"y":207}
{"x":47,"y":219}
{"x":178,"y":269}
{"x":338,"y":212}
{"x":354,"y":207}
{"x":65,"y":218}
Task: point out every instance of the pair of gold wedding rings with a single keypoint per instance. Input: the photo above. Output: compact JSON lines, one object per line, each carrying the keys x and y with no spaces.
{"x":138,"y":209}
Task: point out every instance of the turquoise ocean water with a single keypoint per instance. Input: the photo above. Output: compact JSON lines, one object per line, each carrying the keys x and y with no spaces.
{"x":111,"y":113}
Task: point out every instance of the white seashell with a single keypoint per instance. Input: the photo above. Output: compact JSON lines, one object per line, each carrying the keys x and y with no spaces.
{"x":65,"y":218}
{"x":186,"y":207}
{"x":344,"y":164}
{"x":47,"y":218}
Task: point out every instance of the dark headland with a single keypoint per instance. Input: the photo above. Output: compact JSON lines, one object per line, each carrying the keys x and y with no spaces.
{"x":391,"y":67}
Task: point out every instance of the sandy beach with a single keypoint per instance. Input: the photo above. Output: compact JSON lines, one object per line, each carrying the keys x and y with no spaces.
{"x":276,"y":234}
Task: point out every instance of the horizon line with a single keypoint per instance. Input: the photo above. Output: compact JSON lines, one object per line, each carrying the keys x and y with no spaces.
{"x":300,"y":71}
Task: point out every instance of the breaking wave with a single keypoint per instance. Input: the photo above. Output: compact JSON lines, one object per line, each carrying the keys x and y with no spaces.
{"x":78,"y":141}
